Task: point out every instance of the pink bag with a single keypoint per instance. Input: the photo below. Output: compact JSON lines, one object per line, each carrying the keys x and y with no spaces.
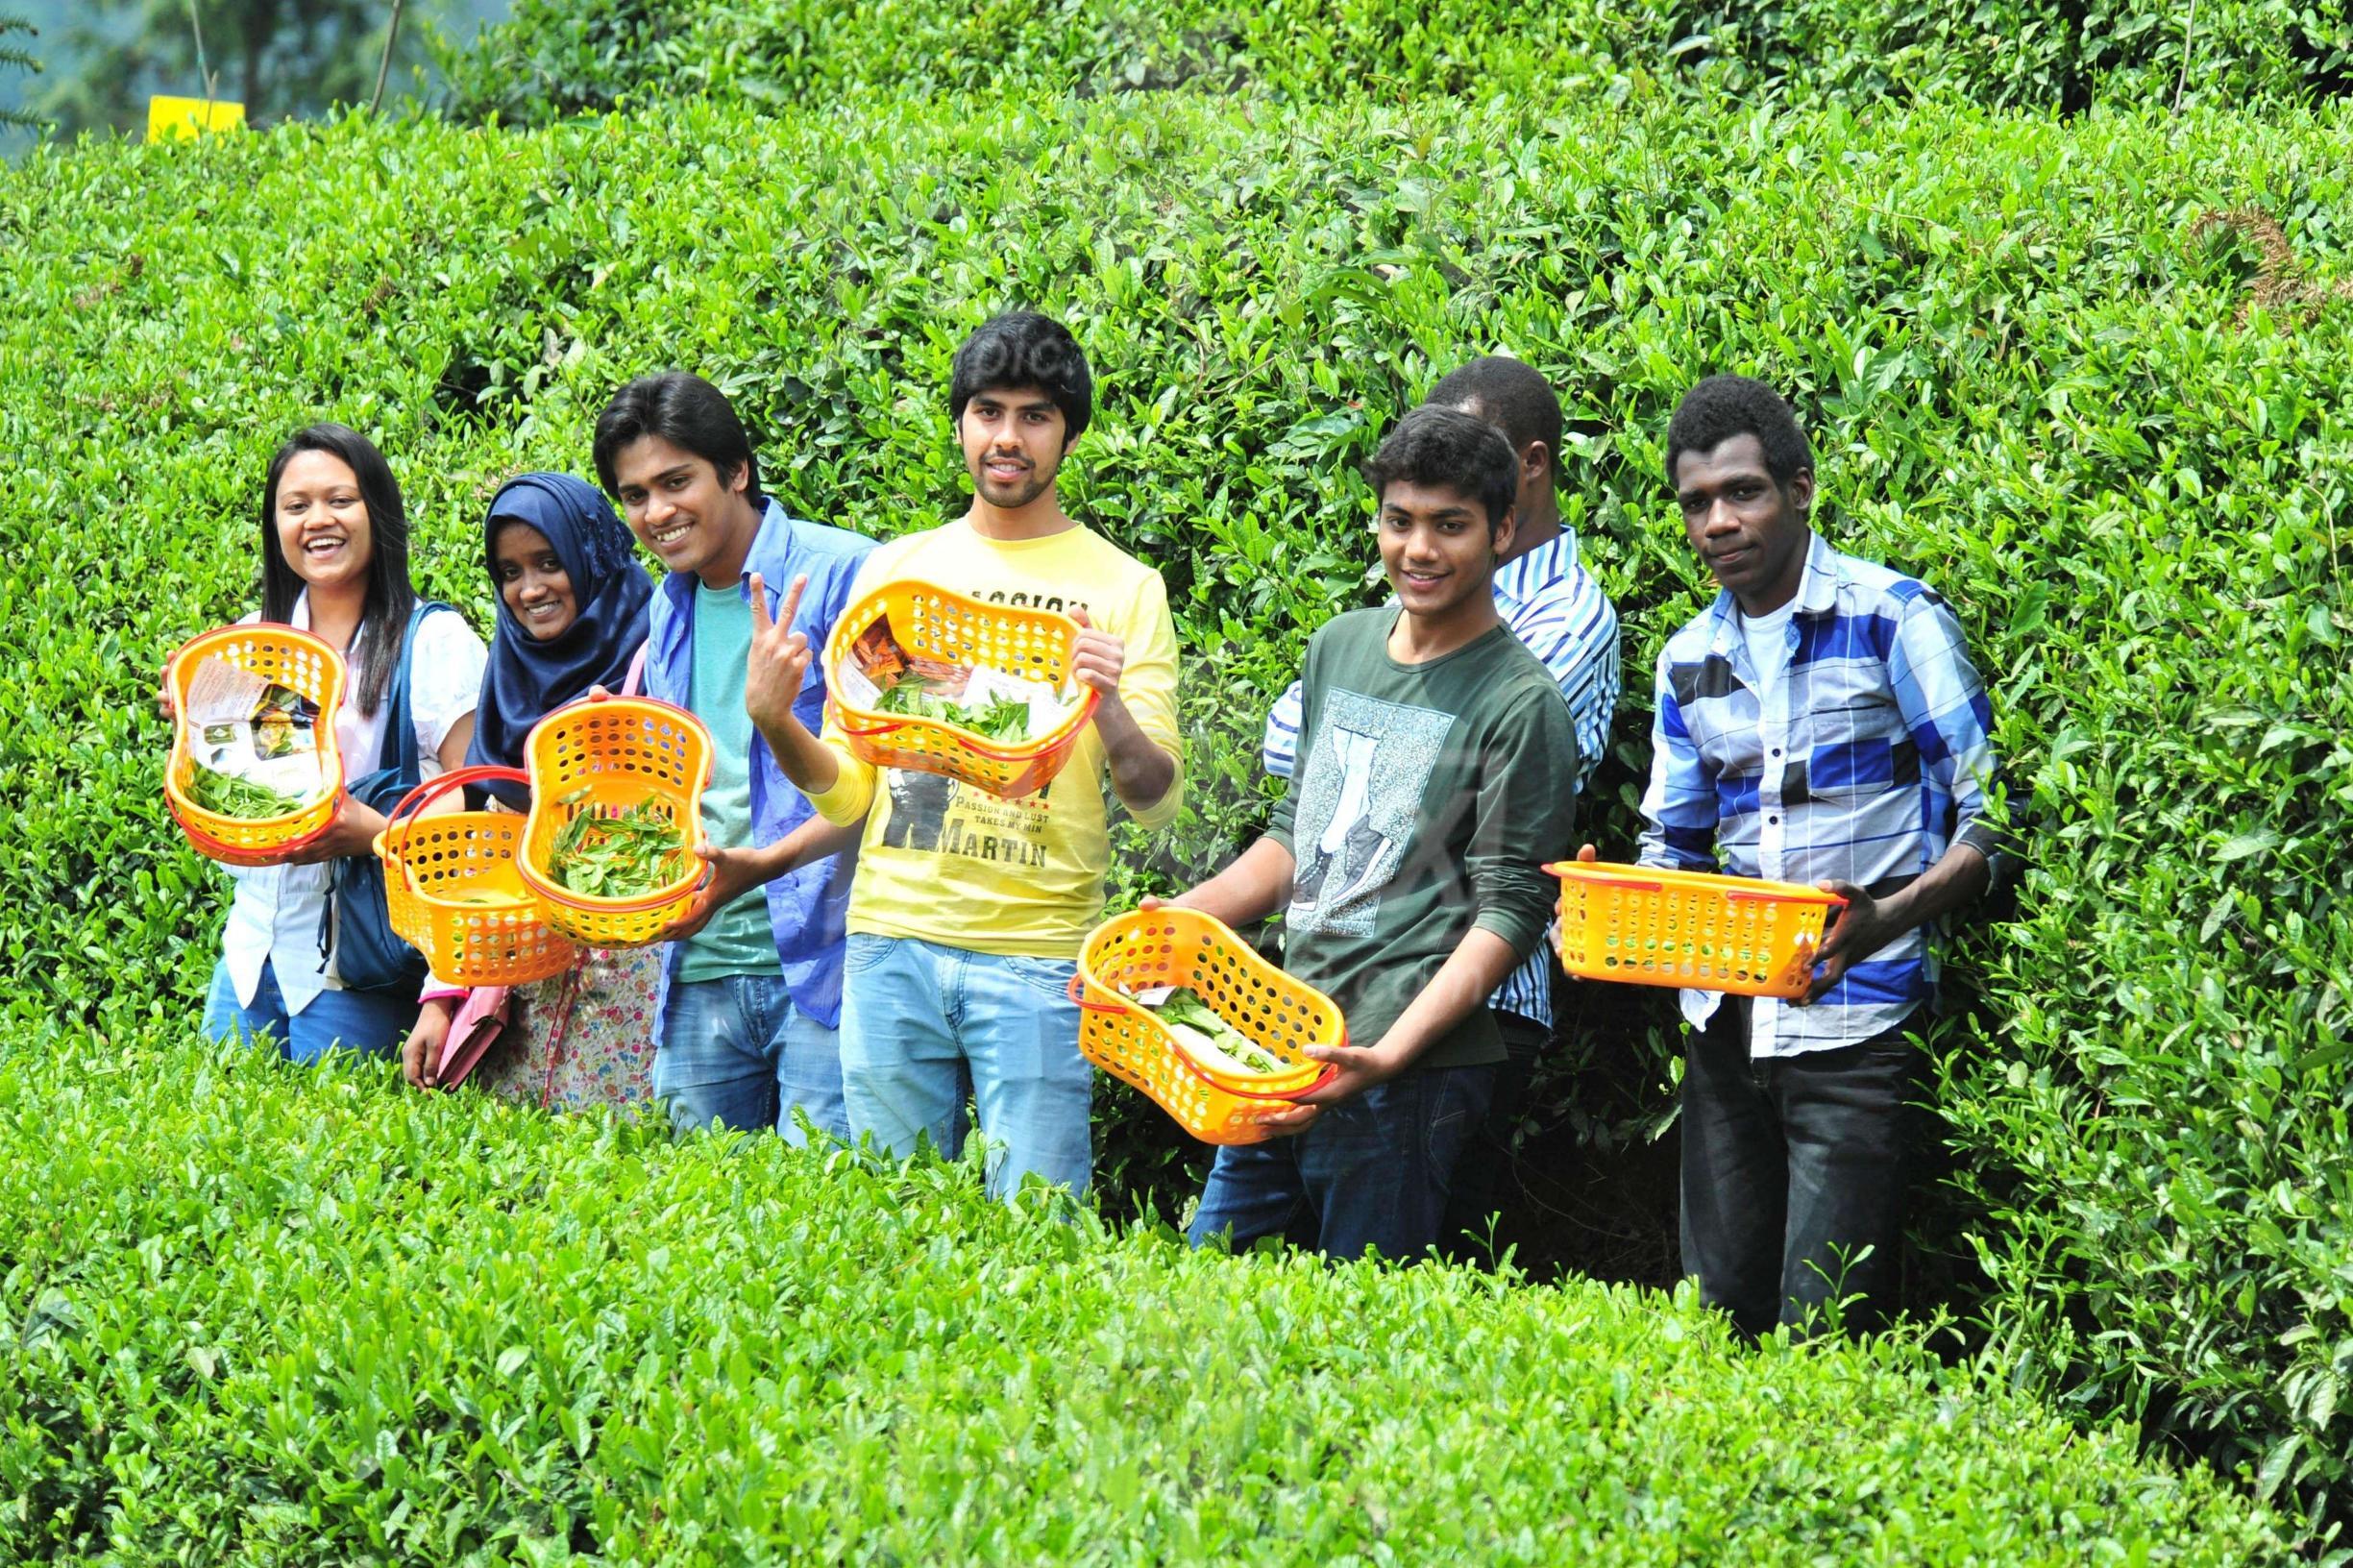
{"x":472,"y":1033}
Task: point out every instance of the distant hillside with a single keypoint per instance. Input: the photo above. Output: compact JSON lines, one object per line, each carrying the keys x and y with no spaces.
{"x":60,"y":21}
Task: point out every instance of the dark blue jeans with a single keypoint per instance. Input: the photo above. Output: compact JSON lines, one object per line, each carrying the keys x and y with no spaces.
{"x":1794,"y":1173}
{"x":1370,"y":1174}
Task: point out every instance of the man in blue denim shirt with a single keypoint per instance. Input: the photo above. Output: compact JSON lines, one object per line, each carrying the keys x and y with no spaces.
{"x":750,"y":1002}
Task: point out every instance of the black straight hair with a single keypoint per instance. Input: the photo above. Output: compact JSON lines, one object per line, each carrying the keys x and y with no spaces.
{"x":384,"y":616}
{"x":1019,"y":349}
{"x":1507,"y":393}
{"x":686,"y":411}
{"x":1723,"y":406}
{"x":1445,"y":449}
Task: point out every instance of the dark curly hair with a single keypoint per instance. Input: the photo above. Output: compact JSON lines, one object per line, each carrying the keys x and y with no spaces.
{"x":1723,"y":406}
{"x":1024,"y":349}
{"x":1446,"y":449}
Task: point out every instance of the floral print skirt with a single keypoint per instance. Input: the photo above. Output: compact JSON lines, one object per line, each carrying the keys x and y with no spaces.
{"x":584,"y":1037}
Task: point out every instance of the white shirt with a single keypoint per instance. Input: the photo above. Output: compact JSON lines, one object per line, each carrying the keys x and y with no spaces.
{"x":1768,"y":640}
{"x":275,"y":914}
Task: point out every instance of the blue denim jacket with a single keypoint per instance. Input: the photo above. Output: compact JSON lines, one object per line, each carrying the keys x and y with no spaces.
{"x":807,"y":907}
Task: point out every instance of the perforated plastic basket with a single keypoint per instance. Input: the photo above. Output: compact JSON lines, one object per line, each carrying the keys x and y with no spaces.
{"x":455,"y":894}
{"x":1147,"y":948}
{"x":933,"y":623}
{"x":1653,"y":927}
{"x":608,"y":754}
{"x":286,"y":657}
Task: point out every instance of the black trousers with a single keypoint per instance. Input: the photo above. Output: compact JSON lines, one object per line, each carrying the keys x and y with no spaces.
{"x":1794,"y":1175}
{"x":1480,"y":1184}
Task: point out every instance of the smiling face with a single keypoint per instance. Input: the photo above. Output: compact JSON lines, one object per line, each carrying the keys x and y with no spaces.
{"x":532,"y":582}
{"x":1438,"y":547}
{"x":1013,"y":440}
{"x":322,"y":520}
{"x":684,"y":510}
{"x":1751,"y":531}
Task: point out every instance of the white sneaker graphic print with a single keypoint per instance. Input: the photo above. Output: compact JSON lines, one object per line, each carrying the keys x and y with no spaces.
{"x":1368,"y":763}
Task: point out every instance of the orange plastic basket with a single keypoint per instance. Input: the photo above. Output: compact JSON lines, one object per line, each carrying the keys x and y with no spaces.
{"x":955,"y":629}
{"x":1184,"y":947}
{"x":286,"y":657}
{"x":1653,"y":927}
{"x":453,"y":891}
{"x":608,"y":754}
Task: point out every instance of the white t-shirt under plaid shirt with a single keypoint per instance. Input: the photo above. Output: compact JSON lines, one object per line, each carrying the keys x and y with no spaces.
{"x":1863,"y":761}
{"x":1559,"y":614}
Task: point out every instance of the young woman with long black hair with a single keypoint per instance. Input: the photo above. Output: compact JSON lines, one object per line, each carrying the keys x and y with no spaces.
{"x":334,"y":562}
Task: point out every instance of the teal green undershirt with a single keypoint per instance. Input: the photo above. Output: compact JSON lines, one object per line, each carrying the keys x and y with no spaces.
{"x":739,"y":940}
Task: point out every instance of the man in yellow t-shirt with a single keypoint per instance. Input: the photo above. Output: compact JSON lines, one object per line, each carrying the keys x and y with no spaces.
{"x":968,"y":911}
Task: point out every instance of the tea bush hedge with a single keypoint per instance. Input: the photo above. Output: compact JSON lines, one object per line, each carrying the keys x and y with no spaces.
{"x":554,"y":57}
{"x":2031,"y":373}
{"x":262,"y":1316}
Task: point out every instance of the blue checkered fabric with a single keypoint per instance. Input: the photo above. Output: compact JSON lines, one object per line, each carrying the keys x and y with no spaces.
{"x":1559,"y":613}
{"x":1867,"y":760}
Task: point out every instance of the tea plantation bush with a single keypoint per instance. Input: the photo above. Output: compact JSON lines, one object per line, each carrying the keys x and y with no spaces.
{"x":2024,"y":363}
{"x":264,"y":1317}
{"x":553,"y":57}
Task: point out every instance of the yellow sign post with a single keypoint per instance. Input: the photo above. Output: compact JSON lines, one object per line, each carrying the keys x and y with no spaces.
{"x":182,"y":119}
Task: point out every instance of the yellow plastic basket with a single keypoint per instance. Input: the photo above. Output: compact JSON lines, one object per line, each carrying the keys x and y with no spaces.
{"x":953,"y":628}
{"x":286,"y":657}
{"x":1653,"y":927}
{"x":608,"y":754}
{"x":1145,"y":949}
{"x":455,"y":894}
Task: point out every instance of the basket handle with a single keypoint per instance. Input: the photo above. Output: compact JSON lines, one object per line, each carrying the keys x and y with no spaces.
{"x":206,"y":845}
{"x":1741,"y":895}
{"x":440,"y":784}
{"x":978,"y":747}
{"x":1078,"y":995}
{"x":841,"y":719}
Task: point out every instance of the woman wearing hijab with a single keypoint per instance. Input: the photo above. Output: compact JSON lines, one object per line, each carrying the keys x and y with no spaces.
{"x":571,"y":615}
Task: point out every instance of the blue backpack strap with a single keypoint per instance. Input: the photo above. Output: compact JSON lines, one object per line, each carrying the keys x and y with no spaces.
{"x":397,"y":755}
{"x":400,"y":748}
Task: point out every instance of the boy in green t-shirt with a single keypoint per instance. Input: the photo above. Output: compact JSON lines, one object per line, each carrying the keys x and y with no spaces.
{"x":1436,"y":759}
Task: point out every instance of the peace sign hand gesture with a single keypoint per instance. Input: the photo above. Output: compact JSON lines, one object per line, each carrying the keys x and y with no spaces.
{"x":779,"y":659}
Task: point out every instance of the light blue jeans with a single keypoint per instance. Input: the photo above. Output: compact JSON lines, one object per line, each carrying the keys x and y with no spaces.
{"x":917,"y":1017}
{"x":736,"y":1050}
{"x":370,"y":1022}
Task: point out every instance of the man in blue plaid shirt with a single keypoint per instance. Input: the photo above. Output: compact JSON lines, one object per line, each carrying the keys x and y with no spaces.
{"x":1819,"y":723}
{"x":1553,"y":605}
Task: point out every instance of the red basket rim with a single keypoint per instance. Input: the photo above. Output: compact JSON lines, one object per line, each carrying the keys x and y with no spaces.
{"x":206,"y":844}
{"x":1027,"y":751}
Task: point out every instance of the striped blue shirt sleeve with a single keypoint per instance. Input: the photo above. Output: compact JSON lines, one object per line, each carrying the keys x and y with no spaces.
{"x":1281,"y":745}
{"x":1949,"y":719}
{"x":1577,"y":641}
{"x":1679,"y":808}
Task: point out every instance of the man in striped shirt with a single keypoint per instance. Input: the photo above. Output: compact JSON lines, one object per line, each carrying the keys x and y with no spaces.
{"x":1559,"y":613}
{"x":1819,"y":723}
